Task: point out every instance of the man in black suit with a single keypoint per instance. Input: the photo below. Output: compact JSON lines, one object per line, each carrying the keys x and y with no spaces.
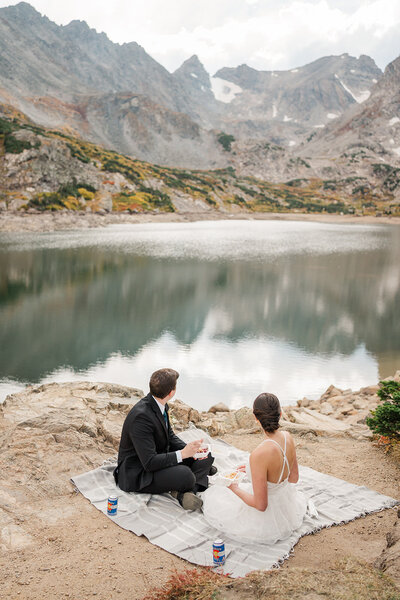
{"x":151,"y":458}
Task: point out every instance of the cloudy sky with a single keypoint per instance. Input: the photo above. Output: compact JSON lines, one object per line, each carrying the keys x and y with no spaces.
{"x":265,"y":34}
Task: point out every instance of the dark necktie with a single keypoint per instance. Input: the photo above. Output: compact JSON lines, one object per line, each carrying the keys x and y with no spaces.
{"x":165,"y":418}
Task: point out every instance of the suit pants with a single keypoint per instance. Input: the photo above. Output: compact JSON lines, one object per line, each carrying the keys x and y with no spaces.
{"x":188,"y":476}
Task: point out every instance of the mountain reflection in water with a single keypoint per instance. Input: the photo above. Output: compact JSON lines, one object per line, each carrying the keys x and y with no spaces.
{"x":291,"y":323}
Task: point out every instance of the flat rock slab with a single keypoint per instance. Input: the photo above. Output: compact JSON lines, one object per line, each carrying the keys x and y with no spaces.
{"x":315,"y":419}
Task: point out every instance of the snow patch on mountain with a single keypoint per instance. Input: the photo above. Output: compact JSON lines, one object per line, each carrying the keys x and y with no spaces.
{"x":223,"y":90}
{"x":360,"y":97}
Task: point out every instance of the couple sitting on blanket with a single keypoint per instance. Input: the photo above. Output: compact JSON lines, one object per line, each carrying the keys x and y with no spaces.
{"x":152,"y":459}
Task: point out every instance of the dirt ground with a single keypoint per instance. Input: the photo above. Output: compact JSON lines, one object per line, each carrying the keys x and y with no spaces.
{"x":79,"y":554}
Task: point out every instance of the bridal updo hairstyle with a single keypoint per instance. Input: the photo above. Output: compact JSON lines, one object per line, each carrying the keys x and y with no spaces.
{"x":267,"y":410}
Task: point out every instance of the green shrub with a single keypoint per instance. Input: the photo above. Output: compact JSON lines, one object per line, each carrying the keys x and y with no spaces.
{"x":11,"y":144}
{"x":14,"y":146}
{"x":115,"y":166}
{"x":385,"y":418}
{"x":225,"y":139}
{"x":77,"y":153}
{"x":6,"y":127}
{"x":330,"y":184}
{"x":390,"y":175}
{"x":62,"y":197}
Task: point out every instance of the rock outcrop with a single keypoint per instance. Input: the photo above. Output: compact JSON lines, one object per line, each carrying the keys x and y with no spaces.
{"x":96,"y":410}
{"x":337,"y":412}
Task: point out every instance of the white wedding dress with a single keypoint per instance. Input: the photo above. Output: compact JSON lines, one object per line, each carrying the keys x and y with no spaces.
{"x":286,"y":509}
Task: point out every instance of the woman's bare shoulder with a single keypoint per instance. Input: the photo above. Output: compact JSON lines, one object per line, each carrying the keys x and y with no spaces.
{"x":263,"y":450}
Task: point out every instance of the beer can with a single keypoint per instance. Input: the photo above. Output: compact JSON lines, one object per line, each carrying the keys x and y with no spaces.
{"x":218,"y":553}
{"x":112,"y":505}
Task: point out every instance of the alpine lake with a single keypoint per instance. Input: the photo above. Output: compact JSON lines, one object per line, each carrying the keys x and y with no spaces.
{"x":237,"y":307}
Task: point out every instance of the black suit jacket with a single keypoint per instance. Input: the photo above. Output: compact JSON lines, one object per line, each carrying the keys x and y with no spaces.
{"x":146,"y":445}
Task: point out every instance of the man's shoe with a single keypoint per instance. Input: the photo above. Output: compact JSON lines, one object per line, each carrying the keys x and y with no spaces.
{"x":188,"y":500}
{"x":213,"y":470}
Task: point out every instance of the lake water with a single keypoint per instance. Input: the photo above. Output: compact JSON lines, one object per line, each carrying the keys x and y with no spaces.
{"x":237,"y":307}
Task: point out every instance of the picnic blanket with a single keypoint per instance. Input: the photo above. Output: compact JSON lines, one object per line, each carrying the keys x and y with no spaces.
{"x":185,"y":533}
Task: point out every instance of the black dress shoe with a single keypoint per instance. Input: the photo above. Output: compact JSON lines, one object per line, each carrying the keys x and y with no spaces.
{"x":213,"y":470}
{"x":188,"y":500}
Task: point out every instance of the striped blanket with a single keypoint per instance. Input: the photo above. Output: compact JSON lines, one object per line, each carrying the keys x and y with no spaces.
{"x":162,"y":520}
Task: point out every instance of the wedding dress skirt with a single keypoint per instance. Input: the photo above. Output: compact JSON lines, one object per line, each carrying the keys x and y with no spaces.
{"x":225,"y":511}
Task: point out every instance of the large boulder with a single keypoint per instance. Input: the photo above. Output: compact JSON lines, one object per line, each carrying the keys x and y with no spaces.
{"x":182,"y":414}
{"x":220,"y":407}
{"x":245,"y":418}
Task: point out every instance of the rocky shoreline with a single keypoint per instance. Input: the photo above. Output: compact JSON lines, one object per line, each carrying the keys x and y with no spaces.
{"x":51,"y":432}
{"x":337,"y":412}
{"x":98,"y":410}
{"x":34,"y":221}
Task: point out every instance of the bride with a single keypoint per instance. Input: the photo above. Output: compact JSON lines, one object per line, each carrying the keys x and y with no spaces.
{"x":268,"y":508}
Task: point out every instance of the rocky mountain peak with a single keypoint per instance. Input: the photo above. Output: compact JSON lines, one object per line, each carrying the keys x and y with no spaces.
{"x":77,"y":26}
{"x":23,"y":12}
{"x":392,"y":71}
{"x":193,"y":70}
{"x":22,"y":8}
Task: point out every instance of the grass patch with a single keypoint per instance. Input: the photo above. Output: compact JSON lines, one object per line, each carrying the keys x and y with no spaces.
{"x":191,"y":584}
{"x":348,"y":579}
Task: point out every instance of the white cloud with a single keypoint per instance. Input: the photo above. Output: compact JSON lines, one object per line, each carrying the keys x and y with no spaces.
{"x":266,"y":35}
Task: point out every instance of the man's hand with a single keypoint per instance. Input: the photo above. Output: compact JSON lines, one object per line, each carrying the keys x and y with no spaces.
{"x":191,"y":448}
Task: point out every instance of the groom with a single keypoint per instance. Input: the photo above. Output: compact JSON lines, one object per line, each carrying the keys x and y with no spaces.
{"x":151,"y":458}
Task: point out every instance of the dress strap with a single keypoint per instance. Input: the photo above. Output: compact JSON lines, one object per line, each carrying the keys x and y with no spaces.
{"x":285,"y":460}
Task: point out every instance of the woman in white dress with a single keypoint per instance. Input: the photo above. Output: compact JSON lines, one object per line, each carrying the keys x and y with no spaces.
{"x":269,"y":507}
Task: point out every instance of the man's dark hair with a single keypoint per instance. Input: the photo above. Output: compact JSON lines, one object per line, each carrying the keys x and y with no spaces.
{"x":162,"y":382}
{"x":267,"y":409}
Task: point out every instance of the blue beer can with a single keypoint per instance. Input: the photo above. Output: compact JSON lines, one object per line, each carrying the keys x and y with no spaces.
{"x":112,"y":505}
{"x":218,"y":553}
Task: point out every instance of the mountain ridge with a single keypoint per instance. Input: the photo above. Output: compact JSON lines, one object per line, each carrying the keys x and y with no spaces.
{"x":324,"y":121}
{"x":73,"y":61}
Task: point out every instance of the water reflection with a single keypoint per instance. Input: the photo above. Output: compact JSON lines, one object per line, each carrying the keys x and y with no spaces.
{"x":293,"y":321}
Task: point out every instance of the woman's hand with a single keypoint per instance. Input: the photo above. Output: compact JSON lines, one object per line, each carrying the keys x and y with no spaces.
{"x":241,"y":468}
{"x":233,"y":487}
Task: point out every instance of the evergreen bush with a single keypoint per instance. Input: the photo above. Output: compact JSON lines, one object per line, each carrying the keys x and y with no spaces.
{"x":225,"y":139}
{"x":385,"y":419}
